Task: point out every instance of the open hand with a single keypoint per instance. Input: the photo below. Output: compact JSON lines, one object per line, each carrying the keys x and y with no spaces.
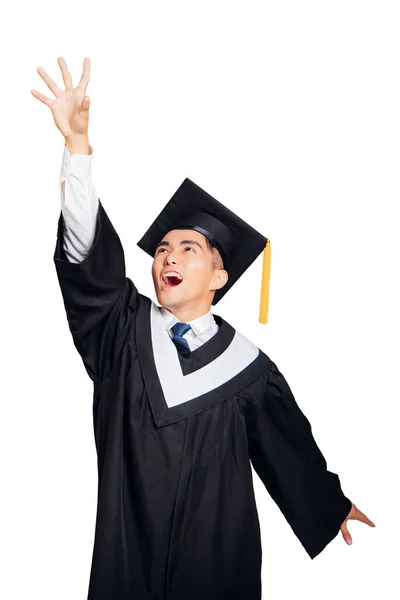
{"x":354,"y":513}
{"x":70,"y":108}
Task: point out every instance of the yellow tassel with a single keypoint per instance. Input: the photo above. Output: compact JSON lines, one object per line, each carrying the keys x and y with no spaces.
{"x":266,"y":270}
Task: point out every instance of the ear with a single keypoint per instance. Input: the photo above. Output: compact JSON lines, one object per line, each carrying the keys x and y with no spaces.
{"x":219,"y":279}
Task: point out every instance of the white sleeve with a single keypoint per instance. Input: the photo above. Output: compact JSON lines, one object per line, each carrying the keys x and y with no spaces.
{"x":80,"y":205}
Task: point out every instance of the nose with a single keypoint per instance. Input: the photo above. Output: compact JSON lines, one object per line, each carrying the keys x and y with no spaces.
{"x":169,"y":259}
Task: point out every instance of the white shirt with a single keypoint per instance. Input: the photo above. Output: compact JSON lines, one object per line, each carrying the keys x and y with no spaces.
{"x":202,"y":328}
{"x":79,"y":209}
{"x":80,"y":205}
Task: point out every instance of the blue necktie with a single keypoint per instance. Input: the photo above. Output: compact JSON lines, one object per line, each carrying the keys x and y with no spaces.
{"x":178,"y":330}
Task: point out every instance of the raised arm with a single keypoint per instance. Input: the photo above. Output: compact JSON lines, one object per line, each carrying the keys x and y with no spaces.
{"x":99,"y":299}
{"x":79,"y":203}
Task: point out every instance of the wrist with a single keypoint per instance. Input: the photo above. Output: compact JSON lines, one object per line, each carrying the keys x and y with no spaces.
{"x":78,"y":143}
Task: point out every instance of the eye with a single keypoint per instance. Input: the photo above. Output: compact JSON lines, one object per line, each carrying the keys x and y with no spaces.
{"x":189,"y":248}
{"x":160,"y":250}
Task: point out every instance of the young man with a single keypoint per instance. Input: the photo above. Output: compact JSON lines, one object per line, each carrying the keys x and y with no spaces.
{"x":183,"y":403}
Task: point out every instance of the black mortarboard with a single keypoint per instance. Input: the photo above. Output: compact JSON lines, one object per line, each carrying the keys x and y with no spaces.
{"x":238,"y":243}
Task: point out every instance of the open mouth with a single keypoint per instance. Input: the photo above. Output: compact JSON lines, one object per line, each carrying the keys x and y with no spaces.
{"x":171,"y":280}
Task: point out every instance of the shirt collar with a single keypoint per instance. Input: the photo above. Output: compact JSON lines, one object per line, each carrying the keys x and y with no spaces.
{"x":198,"y":325}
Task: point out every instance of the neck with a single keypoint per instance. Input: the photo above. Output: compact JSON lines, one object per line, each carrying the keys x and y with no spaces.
{"x":187,"y":313}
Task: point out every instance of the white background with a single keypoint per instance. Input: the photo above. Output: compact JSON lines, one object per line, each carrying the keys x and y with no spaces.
{"x":288,"y":113}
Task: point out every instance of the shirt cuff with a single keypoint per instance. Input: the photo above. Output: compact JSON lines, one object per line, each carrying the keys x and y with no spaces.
{"x":77,"y":165}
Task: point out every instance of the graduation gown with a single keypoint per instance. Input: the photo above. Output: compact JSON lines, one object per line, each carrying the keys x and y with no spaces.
{"x":176,"y":433}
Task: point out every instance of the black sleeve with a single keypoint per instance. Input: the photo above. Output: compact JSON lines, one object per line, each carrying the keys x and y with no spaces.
{"x":287,"y":459}
{"x":99,"y":299}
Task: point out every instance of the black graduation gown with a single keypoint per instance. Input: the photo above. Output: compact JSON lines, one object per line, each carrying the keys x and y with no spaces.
{"x":176,"y":433}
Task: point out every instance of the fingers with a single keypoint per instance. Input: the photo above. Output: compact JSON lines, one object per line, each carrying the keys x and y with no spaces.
{"x":84,"y":80}
{"x":65,"y":73}
{"x":361,"y":517}
{"x":48,"y":80}
{"x":42,"y":98}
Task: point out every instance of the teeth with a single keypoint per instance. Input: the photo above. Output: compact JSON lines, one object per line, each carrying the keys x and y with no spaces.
{"x":172,"y":274}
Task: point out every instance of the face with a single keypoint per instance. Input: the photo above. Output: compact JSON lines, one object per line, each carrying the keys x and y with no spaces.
{"x":185,"y":252}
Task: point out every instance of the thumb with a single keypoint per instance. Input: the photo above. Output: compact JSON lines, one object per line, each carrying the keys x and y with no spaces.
{"x":346,"y":533}
{"x":85,"y":103}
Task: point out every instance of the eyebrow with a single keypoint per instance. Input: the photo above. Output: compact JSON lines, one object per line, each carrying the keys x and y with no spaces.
{"x":181,"y":243}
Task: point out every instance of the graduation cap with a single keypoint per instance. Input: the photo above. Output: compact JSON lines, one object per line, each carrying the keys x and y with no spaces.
{"x":238,"y":243}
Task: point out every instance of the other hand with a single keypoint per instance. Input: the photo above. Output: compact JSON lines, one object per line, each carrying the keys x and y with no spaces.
{"x":354,"y":513}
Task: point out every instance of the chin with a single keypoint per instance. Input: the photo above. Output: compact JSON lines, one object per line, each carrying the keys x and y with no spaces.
{"x":169,"y":298}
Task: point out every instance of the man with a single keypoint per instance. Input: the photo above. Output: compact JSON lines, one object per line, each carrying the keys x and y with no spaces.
{"x":183,"y":403}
